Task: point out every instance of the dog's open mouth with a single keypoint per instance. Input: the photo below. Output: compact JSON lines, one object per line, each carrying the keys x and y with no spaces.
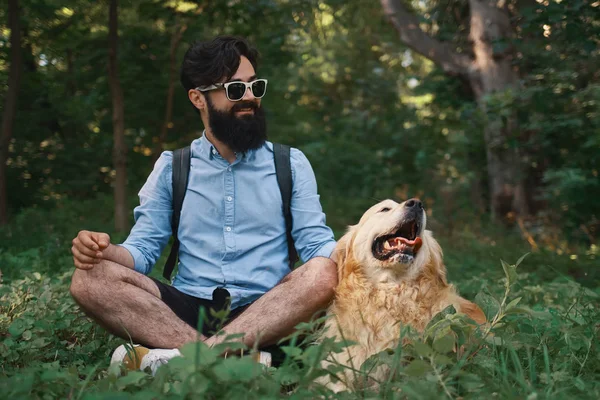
{"x":403,"y":244}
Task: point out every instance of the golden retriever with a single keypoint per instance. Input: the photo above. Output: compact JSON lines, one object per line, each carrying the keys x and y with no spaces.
{"x":391,"y":275}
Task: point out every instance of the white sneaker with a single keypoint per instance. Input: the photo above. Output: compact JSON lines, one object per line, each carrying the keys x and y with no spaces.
{"x":262,"y":357}
{"x":140,"y":358}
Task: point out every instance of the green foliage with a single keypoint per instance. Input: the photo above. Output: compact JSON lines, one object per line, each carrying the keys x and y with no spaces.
{"x":558,"y":109}
{"x":540,"y":342}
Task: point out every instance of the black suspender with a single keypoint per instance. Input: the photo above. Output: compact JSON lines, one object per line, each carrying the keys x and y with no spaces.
{"x":181,"y":171}
{"x":283,"y":170}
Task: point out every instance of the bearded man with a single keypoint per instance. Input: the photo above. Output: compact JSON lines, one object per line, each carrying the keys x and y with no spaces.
{"x":232,"y":232}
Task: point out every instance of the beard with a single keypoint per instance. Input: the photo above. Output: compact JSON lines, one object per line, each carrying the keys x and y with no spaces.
{"x":240,"y":134}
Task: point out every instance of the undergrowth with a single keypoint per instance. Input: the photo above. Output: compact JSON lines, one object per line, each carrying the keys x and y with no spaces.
{"x":541,"y":342}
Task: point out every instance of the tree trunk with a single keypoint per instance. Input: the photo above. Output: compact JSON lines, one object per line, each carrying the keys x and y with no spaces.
{"x":71,"y":80}
{"x":162,"y":137}
{"x":489,"y":23}
{"x":488,"y":73}
{"x":119,"y":146}
{"x":10,"y":106}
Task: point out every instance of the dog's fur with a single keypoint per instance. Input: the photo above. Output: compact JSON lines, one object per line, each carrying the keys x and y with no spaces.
{"x":375,"y":298}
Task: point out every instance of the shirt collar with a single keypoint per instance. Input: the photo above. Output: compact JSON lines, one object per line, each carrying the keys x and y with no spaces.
{"x":206,"y":149}
{"x":202,"y":146}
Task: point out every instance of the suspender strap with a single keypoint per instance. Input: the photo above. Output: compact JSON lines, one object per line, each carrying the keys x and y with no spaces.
{"x":181,"y":171}
{"x":283,"y":171}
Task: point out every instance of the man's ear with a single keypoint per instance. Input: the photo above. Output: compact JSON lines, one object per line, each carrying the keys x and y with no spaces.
{"x":197,"y":98}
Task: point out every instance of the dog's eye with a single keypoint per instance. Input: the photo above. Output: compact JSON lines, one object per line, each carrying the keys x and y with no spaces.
{"x":385,"y":209}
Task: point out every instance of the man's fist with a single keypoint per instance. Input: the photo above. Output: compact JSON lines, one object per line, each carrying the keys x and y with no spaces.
{"x":87,"y":248}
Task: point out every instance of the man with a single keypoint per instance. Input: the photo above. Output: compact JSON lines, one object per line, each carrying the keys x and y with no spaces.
{"x":232,"y":230}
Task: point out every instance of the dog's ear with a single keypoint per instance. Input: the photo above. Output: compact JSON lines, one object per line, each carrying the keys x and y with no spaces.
{"x":436,"y":265}
{"x":343,"y":251}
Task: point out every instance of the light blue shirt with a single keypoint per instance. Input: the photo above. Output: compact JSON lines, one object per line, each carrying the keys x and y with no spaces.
{"x":232,"y":229}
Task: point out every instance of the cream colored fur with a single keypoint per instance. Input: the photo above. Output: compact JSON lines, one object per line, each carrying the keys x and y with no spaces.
{"x":375,"y":298}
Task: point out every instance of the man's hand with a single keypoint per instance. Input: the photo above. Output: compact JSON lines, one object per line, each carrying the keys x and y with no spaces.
{"x":87,"y":248}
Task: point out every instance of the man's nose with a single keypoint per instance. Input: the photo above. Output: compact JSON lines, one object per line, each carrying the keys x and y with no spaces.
{"x":249,"y":95}
{"x":414,"y":204}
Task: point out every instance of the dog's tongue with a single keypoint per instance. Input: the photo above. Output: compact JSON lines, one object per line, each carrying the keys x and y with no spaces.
{"x":415,"y":244}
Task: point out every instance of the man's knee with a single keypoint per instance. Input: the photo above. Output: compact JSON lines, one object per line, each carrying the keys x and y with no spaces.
{"x":83,"y":281}
{"x":78,"y":286}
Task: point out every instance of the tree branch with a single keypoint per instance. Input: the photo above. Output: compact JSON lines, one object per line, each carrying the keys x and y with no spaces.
{"x":413,"y":36}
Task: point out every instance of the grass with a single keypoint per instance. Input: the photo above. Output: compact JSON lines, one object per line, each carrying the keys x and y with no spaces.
{"x":542,"y":342}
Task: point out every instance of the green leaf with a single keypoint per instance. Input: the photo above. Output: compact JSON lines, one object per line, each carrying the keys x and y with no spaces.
{"x":518,"y":310}
{"x":417,"y":368}
{"x":521,"y":259}
{"x":384,"y":357}
{"x":470,"y":382}
{"x":292,"y":351}
{"x":18,"y":327}
{"x":237,"y":369}
{"x":494,"y":340}
{"x":441,"y":359}
{"x":27,"y":335}
{"x":488,"y":304}
{"x":39,"y":343}
{"x":422,"y":349}
{"x":510,"y":272}
{"x":444,"y":344}
{"x":440,"y":316}
{"x":513,"y":303}
{"x":132,"y":378}
{"x":287,"y":376}
{"x":206,"y":355}
{"x":53,"y":375}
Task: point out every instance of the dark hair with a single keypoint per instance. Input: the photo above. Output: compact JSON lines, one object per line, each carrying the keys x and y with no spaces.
{"x":206,"y":63}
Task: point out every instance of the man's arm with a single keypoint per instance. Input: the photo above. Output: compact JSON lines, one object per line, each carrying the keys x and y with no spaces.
{"x":149,"y":235}
{"x":152,"y":228}
{"x":312,"y":237}
{"x":89,"y":248}
{"x":119,"y":255}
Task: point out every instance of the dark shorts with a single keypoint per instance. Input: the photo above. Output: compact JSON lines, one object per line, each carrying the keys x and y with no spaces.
{"x":188,"y":308}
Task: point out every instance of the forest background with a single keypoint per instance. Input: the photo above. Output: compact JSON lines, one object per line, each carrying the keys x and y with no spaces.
{"x":486,"y":110}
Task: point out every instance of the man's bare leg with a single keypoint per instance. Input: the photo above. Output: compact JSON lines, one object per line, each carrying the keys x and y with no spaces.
{"x":128,"y":303}
{"x":295,"y":299}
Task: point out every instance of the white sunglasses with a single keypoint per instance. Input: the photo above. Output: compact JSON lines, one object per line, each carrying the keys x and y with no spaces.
{"x":236,"y":90}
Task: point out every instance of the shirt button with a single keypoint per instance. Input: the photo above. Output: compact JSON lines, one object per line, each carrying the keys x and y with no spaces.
{"x":229,"y":169}
{"x":229,"y":198}
{"x":228,"y":229}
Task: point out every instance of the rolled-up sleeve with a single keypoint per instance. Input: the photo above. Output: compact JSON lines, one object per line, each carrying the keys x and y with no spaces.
{"x":312,"y":237}
{"x":152,"y":228}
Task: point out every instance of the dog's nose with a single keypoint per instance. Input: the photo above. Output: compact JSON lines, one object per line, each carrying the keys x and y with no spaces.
{"x":414,"y":203}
